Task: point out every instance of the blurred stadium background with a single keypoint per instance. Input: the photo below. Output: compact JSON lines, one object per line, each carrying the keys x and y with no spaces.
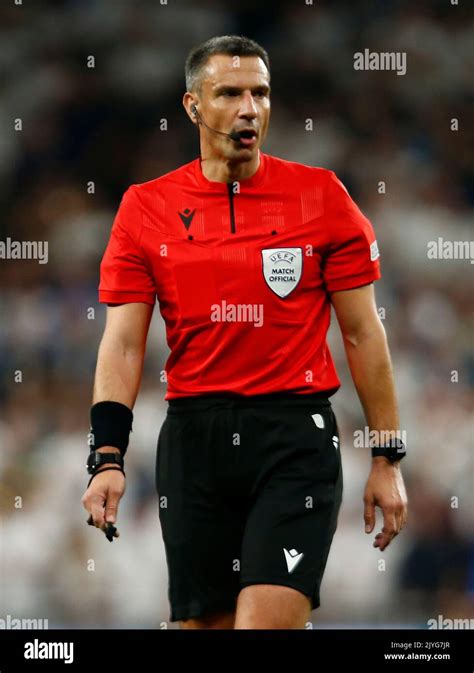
{"x":102,"y":124}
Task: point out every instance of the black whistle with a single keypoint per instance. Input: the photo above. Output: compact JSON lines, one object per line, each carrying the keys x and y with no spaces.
{"x":109,"y":531}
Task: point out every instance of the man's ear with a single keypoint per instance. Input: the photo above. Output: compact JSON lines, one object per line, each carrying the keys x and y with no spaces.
{"x":190,"y":112}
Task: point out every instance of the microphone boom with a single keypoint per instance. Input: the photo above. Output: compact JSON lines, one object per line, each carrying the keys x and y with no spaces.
{"x":233,"y":135}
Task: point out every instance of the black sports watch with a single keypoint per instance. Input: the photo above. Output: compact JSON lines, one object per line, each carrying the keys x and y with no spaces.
{"x":394,"y":450}
{"x":96,"y":459}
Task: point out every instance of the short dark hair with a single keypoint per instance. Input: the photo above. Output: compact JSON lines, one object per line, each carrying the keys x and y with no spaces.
{"x":233,"y":45}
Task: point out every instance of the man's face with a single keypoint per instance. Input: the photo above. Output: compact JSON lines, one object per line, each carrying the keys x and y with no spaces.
{"x":235,"y":95}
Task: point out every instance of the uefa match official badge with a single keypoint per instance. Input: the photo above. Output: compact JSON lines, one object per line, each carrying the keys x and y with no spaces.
{"x":282,"y":269}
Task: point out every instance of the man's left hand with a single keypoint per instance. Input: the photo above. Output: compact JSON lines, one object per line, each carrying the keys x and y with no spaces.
{"x":386,"y":489}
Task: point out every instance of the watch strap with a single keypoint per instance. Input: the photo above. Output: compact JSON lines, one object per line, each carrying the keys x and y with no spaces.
{"x":97,"y":458}
{"x":394,"y":450}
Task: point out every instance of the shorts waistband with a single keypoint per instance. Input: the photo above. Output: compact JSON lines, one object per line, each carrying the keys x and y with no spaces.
{"x":200,"y":402}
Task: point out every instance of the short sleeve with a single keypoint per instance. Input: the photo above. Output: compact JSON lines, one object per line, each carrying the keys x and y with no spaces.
{"x":352,"y":257}
{"x":124,"y":276}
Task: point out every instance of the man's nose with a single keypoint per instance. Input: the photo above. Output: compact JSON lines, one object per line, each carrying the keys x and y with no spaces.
{"x":248,"y":108}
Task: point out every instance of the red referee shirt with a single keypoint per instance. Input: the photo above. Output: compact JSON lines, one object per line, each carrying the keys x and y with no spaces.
{"x":242,"y":273}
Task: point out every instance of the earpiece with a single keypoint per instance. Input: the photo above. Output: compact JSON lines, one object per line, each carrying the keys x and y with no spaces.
{"x":194,"y":110}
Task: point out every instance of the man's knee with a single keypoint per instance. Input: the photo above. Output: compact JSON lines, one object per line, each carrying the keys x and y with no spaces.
{"x":221,"y":620}
{"x":271,"y":606}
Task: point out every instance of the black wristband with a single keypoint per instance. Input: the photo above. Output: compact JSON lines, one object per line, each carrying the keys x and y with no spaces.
{"x":111,"y":424}
{"x":119,"y":469}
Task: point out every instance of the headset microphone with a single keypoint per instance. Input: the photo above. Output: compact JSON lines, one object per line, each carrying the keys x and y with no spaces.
{"x":233,"y":135}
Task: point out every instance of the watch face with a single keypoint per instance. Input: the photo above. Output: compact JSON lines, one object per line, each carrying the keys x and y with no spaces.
{"x":398,"y":451}
{"x":401,"y":448}
{"x":91,"y":461}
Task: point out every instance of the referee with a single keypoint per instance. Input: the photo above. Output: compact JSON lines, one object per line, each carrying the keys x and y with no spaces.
{"x":245,"y":253}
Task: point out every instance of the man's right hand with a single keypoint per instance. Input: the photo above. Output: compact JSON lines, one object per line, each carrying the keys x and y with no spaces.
{"x":101,"y":498}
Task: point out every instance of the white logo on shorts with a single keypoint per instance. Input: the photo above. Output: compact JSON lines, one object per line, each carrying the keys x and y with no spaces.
{"x":292,"y":558}
{"x":318,"y":419}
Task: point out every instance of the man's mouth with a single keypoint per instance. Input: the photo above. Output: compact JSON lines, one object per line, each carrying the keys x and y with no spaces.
{"x":247,"y":137}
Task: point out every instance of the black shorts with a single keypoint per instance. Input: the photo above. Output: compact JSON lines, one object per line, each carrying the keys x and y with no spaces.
{"x":249,"y":492}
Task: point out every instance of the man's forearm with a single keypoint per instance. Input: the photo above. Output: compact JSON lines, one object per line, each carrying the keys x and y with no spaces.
{"x":369,"y":360}
{"x":371,"y":370}
{"x":118,"y":373}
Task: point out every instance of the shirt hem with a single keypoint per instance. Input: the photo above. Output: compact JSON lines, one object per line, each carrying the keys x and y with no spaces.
{"x":354,"y":282}
{"x":116,"y":297}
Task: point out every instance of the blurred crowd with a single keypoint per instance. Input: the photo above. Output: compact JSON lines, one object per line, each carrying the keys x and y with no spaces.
{"x":90,"y":127}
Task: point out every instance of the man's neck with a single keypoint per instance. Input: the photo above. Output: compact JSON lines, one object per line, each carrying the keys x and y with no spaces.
{"x":218,"y":170}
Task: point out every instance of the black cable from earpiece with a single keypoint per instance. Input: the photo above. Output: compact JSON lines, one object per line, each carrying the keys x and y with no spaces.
{"x":233,"y":135}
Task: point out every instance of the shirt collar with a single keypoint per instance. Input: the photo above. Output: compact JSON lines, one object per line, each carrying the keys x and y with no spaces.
{"x":253,"y":181}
